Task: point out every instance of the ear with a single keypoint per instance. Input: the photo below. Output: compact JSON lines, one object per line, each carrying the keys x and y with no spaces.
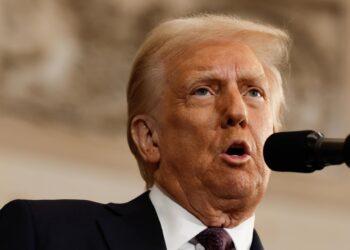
{"x":145,"y":137}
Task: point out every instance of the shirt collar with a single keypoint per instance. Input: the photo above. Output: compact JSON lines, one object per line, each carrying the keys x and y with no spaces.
{"x":242,"y":234}
{"x":179,"y":226}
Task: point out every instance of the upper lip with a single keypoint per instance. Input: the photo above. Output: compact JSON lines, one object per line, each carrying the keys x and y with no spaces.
{"x":239,"y":144}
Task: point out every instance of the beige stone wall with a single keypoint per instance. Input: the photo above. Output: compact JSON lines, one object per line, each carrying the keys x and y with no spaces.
{"x":63,"y":72}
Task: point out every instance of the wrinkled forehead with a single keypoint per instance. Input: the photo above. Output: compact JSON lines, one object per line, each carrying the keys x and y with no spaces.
{"x":222,"y":60}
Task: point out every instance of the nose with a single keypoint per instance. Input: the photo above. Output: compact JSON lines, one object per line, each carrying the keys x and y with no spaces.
{"x":234,"y":110}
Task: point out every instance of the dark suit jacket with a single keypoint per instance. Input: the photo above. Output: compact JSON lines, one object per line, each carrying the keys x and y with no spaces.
{"x":83,"y":225}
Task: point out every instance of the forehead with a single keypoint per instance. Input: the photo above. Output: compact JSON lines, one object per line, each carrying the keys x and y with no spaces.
{"x":216,"y":59}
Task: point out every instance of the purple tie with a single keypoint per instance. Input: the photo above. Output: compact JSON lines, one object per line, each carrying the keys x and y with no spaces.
{"x":215,"y":238}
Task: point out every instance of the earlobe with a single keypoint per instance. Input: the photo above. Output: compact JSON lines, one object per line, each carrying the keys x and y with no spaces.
{"x":145,"y":137}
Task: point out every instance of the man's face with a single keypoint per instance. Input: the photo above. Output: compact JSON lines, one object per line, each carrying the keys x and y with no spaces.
{"x":214,"y":116}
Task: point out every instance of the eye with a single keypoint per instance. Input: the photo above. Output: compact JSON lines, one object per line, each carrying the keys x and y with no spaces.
{"x":202,"y":92}
{"x":254,"y":92}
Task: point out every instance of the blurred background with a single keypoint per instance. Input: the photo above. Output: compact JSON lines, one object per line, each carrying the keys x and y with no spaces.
{"x":64,"y":66}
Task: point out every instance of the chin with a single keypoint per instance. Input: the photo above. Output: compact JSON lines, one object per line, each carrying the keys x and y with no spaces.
{"x":233,"y":192}
{"x":239,"y":187}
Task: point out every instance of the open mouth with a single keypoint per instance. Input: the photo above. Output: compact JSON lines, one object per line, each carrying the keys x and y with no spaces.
{"x":239,"y":149}
{"x":236,"y":151}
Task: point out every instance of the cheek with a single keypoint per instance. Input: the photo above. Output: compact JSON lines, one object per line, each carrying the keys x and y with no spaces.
{"x":187,"y":122}
{"x":262,"y":122}
{"x":195,"y":117}
{"x":187,"y":134}
{"x":261,"y":126}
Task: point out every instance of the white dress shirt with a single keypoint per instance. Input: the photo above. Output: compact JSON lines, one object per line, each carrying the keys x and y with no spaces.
{"x":180,"y":227}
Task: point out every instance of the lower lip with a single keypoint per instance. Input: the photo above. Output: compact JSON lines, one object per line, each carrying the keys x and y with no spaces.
{"x":235,"y":159}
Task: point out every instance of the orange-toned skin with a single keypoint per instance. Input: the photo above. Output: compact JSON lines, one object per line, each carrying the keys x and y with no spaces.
{"x":215,"y":95}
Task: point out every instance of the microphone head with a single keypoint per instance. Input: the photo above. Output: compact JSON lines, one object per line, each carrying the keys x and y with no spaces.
{"x":347,"y":150}
{"x":290,"y":151}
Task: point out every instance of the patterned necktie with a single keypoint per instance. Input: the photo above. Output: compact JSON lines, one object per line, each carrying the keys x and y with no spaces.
{"x":215,"y":238}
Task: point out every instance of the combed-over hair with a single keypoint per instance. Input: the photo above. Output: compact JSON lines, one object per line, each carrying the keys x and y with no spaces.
{"x":169,"y":41}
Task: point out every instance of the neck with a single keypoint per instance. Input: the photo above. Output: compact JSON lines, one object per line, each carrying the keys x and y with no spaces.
{"x":211,"y":210}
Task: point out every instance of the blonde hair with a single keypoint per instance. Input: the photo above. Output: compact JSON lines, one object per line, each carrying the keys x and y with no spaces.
{"x":170,"y":40}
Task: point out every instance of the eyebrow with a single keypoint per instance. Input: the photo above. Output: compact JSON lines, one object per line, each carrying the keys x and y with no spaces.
{"x":203,"y":74}
{"x":215,"y":73}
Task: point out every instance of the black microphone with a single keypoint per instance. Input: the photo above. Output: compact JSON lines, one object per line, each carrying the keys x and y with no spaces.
{"x":304,"y":151}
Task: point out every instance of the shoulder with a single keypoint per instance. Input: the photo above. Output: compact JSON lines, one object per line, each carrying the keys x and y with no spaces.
{"x":60,"y":211}
{"x":71,"y":224}
{"x":28,"y":224}
{"x":49,"y":215}
{"x":47,"y":208}
{"x":62,"y":204}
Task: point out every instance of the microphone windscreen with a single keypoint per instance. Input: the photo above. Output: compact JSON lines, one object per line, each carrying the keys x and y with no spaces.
{"x":289,"y":151}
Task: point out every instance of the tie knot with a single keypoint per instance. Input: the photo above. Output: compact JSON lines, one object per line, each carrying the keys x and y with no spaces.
{"x":214,"y":238}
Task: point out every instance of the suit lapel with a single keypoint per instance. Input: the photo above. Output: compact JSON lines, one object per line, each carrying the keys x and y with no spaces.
{"x":256,"y":244}
{"x":133,"y":225}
